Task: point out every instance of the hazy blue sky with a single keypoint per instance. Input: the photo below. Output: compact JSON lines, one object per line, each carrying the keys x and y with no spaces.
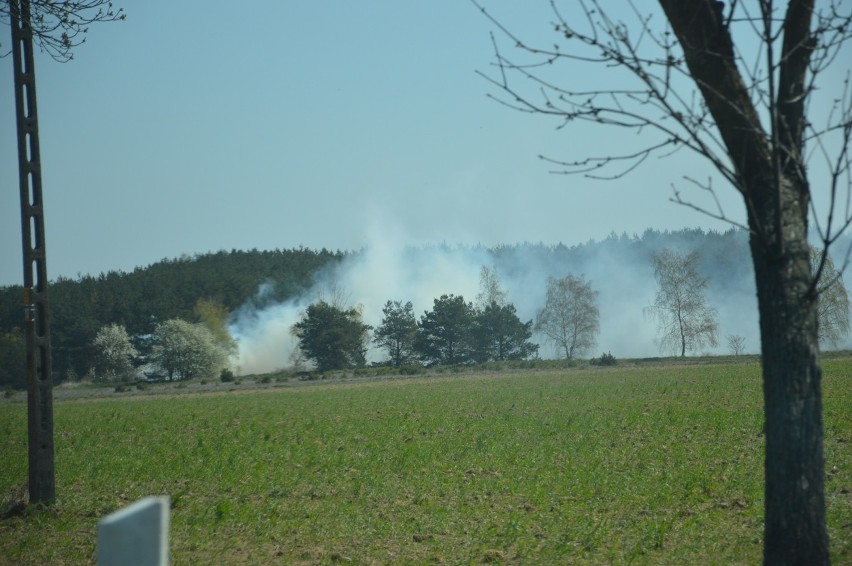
{"x":196,"y":126}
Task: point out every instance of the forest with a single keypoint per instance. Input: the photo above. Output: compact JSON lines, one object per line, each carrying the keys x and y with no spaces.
{"x":248,"y":285}
{"x":139,"y":300}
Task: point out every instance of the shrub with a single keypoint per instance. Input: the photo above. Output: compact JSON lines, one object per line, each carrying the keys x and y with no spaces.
{"x":266,"y":379}
{"x":226,"y":375}
{"x":605,"y":360}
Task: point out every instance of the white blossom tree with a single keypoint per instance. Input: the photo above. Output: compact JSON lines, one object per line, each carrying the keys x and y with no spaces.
{"x":184,"y":350}
{"x":114,"y":353}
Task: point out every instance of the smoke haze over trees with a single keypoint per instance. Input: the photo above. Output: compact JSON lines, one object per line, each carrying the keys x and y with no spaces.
{"x":685,"y":320}
{"x":266,"y":291}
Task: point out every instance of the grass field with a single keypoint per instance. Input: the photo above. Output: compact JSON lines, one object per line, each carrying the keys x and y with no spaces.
{"x":648,"y":465}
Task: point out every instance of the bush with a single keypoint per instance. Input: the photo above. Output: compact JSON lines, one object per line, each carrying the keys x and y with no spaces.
{"x":605,"y":360}
{"x":226,"y":375}
{"x":266,"y":379}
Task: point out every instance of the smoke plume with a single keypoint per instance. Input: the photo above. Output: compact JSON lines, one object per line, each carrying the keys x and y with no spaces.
{"x":619,"y":268}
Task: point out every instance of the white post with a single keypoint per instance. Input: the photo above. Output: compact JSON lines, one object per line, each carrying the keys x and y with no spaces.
{"x":137,"y":535}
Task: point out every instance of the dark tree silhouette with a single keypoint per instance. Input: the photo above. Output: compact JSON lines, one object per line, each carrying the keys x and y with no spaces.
{"x":397,"y":334}
{"x":498,"y":334}
{"x":687,"y":84}
{"x":59,"y":26}
{"x":445,"y":331}
{"x":332,"y":336}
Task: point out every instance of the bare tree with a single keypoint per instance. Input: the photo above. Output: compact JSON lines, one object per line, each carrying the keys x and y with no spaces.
{"x":570,"y":315}
{"x":685,"y":320}
{"x":833,"y":305}
{"x":736,"y":85}
{"x":58,"y":26}
{"x":490,"y":290}
{"x":736,"y":344}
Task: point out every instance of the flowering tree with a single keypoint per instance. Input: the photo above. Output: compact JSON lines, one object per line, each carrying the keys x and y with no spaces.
{"x":184,"y":350}
{"x":114,"y":353}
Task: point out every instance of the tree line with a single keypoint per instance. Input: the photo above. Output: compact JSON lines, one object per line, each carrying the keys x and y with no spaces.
{"x":205,"y":290}
{"x":453,"y":332}
{"x":146,"y":297}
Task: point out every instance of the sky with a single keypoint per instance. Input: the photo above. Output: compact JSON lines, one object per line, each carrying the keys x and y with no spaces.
{"x":194,"y":127}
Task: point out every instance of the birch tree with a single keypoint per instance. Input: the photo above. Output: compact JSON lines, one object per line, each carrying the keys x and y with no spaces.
{"x":685,"y":321}
{"x":570,"y":316}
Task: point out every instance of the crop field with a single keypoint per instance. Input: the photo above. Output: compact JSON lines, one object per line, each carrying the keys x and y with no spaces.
{"x":647,"y":465}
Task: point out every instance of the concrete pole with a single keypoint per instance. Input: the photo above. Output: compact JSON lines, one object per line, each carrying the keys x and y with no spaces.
{"x":37,"y":330}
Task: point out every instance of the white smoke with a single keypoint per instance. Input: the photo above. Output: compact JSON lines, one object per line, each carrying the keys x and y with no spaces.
{"x":367,"y":279}
{"x":619,"y":269}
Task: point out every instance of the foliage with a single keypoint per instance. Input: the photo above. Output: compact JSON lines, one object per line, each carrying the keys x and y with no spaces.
{"x":397,"y":334}
{"x":213,"y":315}
{"x":498,"y":334}
{"x":445,"y":331}
{"x":361,"y":471}
{"x":569,"y":318}
{"x":606,"y":359}
{"x":168,"y":289}
{"x":833,"y":303}
{"x":685,"y":321}
{"x":185,"y":350}
{"x":333,"y":337}
{"x":13,"y":359}
{"x":114,"y":352}
{"x":226,"y":375}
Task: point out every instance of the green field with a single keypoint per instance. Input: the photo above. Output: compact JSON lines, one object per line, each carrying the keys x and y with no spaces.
{"x":637,"y":464}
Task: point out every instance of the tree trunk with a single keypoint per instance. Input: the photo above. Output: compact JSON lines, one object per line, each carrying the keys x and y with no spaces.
{"x":773,"y":181}
{"x":794,"y":502}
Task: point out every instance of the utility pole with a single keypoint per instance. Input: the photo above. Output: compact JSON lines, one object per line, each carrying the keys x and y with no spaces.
{"x":42,"y":481}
